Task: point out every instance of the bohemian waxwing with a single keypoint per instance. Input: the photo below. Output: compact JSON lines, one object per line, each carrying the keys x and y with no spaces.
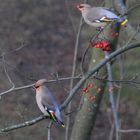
{"x":99,"y":17}
{"x":47,"y":102}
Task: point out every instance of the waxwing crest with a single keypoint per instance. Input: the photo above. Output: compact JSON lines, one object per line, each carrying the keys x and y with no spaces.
{"x":80,"y":6}
{"x":40,"y":83}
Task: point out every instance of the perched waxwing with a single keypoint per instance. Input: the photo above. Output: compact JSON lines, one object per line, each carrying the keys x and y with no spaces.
{"x":99,"y":17}
{"x":47,"y":102}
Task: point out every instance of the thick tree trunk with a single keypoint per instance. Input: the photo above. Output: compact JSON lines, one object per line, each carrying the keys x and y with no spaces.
{"x":86,"y":117}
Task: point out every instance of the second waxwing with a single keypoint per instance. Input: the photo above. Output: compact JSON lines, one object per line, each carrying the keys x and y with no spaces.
{"x":46,"y":102}
{"x":99,"y":17}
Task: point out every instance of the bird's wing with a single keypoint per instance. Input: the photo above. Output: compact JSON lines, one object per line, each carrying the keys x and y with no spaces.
{"x":50,"y":105}
{"x":48,"y":100}
{"x":100,"y":14}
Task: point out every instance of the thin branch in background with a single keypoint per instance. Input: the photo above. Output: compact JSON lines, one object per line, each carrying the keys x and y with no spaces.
{"x":31,"y":85}
{"x":111,"y":132}
{"x":76,"y":110}
{"x":24,"y":44}
{"x":111,"y":95}
{"x":73,"y":74}
{"x":132,"y":8}
{"x":70,"y":16}
{"x":69,"y":78}
{"x":129,"y":130}
{"x":24,"y":124}
{"x":6,"y":73}
{"x":19,"y":72}
{"x":92,"y":41}
{"x":116,"y":105}
{"x":15,"y":89}
{"x":121,"y":68}
{"x":49,"y":130}
{"x":129,"y":81}
{"x":83,"y":59}
{"x":58,"y":81}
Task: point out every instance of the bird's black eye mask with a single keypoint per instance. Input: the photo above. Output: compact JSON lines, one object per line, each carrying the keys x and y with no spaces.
{"x":80,"y":6}
{"x":36,"y":87}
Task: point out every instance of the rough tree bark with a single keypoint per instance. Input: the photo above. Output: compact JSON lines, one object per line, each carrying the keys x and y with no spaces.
{"x":86,"y":117}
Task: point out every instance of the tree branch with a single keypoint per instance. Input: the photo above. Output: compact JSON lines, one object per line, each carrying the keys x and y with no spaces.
{"x":24,"y":124}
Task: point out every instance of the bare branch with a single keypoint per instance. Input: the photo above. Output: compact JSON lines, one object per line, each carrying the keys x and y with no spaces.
{"x":49,"y":130}
{"x":24,"y":124}
{"x":6,"y":72}
{"x":31,"y":85}
{"x":73,"y":73}
{"x":15,"y":50}
{"x":111,"y":95}
{"x":129,"y":81}
{"x":129,"y":130}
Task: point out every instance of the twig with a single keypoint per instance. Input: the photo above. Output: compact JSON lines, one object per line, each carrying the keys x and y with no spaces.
{"x":92,"y":41}
{"x":73,"y":74}
{"x":129,"y":130}
{"x":130,"y":81}
{"x":132,"y":8}
{"x":6,"y":73}
{"x":111,"y":95}
{"x":31,"y":85}
{"x":24,"y":124}
{"x":15,"y":50}
{"x":70,"y":16}
{"x":49,"y":130}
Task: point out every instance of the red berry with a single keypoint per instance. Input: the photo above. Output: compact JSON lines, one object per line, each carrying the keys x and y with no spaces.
{"x":90,"y":85}
{"x":92,"y":98}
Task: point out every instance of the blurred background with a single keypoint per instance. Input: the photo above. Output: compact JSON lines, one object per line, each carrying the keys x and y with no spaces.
{"x":48,"y":29}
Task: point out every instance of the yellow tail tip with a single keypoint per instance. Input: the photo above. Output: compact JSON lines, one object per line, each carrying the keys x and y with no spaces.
{"x":124,"y":22}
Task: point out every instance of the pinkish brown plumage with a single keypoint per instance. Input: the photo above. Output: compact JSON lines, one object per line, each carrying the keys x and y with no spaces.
{"x":47,"y":102}
{"x":98,"y":16}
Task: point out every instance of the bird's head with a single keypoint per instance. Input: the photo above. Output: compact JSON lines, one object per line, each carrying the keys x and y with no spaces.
{"x":83,"y":7}
{"x":40,"y":83}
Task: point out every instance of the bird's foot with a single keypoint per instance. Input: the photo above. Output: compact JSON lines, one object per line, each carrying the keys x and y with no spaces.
{"x":99,"y":28}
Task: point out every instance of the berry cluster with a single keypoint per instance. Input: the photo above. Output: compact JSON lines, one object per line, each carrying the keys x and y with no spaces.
{"x":104,"y":45}
{"x":113,"y":34}
{"x":88,"y":88}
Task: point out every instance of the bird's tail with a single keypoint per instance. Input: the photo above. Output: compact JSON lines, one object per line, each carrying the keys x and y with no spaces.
{"x":59,"y":117}
{"x":123,"y":20}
